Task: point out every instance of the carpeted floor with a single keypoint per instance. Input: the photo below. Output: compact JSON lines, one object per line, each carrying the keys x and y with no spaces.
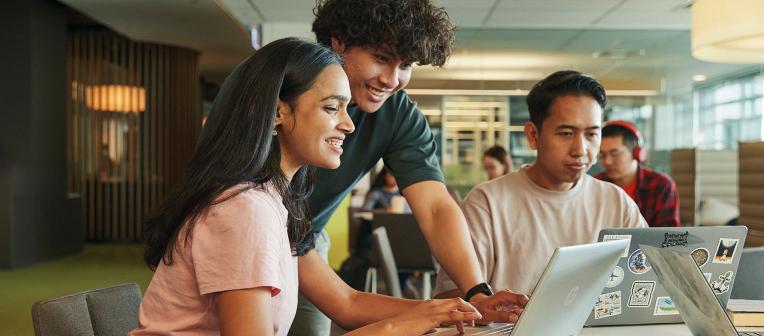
{"x":99,"y":265}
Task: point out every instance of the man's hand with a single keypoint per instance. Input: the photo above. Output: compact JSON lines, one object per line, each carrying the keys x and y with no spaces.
{"x":504,"y":306}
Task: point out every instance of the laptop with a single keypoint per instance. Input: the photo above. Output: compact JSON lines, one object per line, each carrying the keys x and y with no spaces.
{"x":716,"y":249}
{"x":690,"y":292}
{"x":564,"y":294}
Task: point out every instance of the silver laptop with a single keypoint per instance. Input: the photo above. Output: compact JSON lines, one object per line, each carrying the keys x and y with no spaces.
{"x":564,"y":295}
{"x":643,"y":300}
{"x":690,"y":292}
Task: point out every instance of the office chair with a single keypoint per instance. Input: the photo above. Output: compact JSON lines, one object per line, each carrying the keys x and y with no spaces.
{"x":99,"y":312}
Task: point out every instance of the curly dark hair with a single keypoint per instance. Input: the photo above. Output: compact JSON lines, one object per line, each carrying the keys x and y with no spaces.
{"x":413,"y":30}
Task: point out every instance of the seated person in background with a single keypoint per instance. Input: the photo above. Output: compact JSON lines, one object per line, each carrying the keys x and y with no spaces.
{"x":382,"y":192}
{"x":516,"y":221}
{"x":380,"y":197}
{"x":496,"y":162}
{"x":622,"y":155}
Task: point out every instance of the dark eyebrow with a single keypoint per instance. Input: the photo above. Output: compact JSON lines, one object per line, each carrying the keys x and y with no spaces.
{"x":575,"y":128}
{"x":337,"y":97}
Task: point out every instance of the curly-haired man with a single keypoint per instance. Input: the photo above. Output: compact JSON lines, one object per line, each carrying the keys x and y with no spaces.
{"x":379,"y":41}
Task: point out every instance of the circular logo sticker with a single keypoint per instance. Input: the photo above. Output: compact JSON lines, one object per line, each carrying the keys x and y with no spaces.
{"x":700,"y":255}
{"x":638,"y":262}
{"x":615,"y":278}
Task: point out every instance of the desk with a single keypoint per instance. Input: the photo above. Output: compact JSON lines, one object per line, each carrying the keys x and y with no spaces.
{"x":654,"y":329}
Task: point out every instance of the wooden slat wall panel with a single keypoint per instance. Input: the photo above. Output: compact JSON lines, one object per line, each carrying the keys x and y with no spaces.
{"x":700,"y":174}
{"x":718,"y":173}
{"x":751,"y":197}
{"x":683,"y":173}
{"x":124,"y":160}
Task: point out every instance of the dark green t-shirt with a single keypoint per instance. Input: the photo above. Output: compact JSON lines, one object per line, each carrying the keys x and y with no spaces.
{"x":398,"y":133}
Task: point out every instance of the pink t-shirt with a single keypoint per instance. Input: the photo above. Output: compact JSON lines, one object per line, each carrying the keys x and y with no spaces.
{"x":239,"y":243}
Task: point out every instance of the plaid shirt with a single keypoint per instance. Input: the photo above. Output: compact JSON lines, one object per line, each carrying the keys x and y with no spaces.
{"x":656,"y":197}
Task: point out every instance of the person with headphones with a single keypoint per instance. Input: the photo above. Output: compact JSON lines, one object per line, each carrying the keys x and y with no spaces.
{"x":622,"y":155}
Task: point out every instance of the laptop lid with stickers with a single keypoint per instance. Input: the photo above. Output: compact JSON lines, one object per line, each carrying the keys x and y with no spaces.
{"x":632,"y":294}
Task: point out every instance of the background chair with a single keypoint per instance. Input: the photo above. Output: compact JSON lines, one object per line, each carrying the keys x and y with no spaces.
{"x":409,"y":250}
{"x":750,"y":275}
{"x":100,"y":312}
{"x":387,"y":261}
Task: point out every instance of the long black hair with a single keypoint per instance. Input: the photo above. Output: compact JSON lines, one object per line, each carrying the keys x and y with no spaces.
{"x":237,"y":146}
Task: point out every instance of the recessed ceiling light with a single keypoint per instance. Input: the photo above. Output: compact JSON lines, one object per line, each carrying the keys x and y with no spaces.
{"x":618,"y":54}
{"x":699,"y":78}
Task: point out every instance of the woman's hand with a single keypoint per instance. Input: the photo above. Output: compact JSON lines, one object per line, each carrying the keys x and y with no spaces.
{"x":423,"y":318}
{"x":432,"y":313}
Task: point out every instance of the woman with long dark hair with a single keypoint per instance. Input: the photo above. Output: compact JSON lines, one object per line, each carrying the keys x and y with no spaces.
{"x":224,"y":244}
{"x":496,"y":162}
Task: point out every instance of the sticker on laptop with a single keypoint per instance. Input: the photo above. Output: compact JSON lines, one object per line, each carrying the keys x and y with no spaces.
{"x":641,"y":293}
{"x":725,"y":251}
{"x":675,"y":239}
{"x":708,"y":277}
{"x":618,"y":237}
{"x":700,"y":255}
{"x":608,"y":304}
{"x":664,"y":305}
{"x":722,"y":285}
{"x":615,"y":278}
{"x":638,"y":263}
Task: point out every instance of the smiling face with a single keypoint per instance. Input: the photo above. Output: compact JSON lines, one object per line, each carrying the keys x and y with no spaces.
{"x":313,"y":131}
{"x":374,"y":74}
{"x":567,"y":143}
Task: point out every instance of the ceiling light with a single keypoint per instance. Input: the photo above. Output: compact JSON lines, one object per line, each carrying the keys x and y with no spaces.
{"x":115,"y":98}
{"x":728,"y":31}
{"x":699,"y":78}
{"x":618,"y":54}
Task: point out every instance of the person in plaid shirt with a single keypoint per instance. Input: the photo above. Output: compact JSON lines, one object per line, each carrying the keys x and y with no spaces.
{"x":621,"y":155}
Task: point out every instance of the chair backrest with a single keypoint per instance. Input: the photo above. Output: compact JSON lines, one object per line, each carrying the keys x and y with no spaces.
{"x":100,"y":312}
{"x":386,"y":259}
{"x":407,"y":241}
{"x":750,"y":275}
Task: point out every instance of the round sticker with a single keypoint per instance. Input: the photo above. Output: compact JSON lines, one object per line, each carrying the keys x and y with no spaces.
{"x":615,"y":278}
{"x":638,"y":263}
{"x":700,"y":255}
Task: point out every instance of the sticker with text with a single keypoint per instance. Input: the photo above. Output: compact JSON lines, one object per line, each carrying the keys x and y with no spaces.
{"x":608,"y":304}
{"x":619,"y":237}
{"x":641,"y":293}
{"x":675,"y":239}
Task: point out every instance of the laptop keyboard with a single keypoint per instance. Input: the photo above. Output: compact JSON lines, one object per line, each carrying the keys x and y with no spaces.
{"x":503,"y":330}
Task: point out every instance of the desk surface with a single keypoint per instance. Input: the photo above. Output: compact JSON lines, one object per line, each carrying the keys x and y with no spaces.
{"x":655,"y":329}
